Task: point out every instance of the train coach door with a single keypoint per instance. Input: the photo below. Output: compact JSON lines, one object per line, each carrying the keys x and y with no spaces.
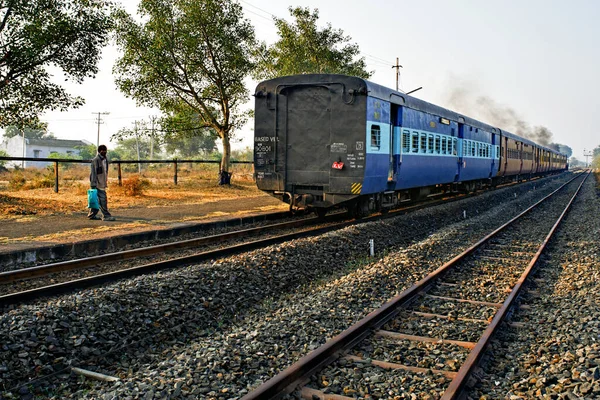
{"x":396,"y":119}
{"x":304,"y":121}
{"x":460,"y":163}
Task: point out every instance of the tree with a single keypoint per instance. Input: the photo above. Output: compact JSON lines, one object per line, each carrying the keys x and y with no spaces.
{"x":87,"y":152}
{"x":188,"y":56}
{"x":40,"y":131}
{"x":128,"y":148}
{"x":596,"y":158}
{"x":304,"y":49}
{"x":183,"y":137}
{"x":3,"y":162}
{"x":37,"y":34}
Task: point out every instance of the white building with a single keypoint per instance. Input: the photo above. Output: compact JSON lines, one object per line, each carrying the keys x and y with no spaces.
{"x":38,"y":148}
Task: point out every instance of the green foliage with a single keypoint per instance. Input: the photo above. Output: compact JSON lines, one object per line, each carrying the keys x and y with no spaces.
{"x":596,"y":159}
{"x":34,"y":34}
{"x":87,"y":152}
{"x":304,"y":49}
{"x":184,"y":137}
{"x":127,"y":149}
{"x":243,"y":155}
{"x":188,"y":56}
{"x":63,"y":156}
{"x":37,"y":131}
{"x":3,"y":154}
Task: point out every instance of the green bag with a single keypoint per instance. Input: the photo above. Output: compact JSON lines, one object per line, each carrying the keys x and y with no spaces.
{"x":93,"y":199}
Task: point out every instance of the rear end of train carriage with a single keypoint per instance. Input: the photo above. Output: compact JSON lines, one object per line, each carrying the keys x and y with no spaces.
{"x":326,"y":140}
{"x":309,"y":139}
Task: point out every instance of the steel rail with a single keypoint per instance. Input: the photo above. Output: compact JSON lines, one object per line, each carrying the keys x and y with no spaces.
{"x":47,"y":269}
{"x":27,"y":273}
{"x":456,"y":387}
{"x":17,"y":297}
{"x":299,"y":372}
{"x":42,"y":270}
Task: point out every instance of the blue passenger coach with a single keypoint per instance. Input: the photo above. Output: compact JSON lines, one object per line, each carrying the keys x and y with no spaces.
{"x":329,"y":140}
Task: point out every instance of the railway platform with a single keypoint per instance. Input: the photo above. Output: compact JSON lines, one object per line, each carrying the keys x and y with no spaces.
{"x":44,"y":238}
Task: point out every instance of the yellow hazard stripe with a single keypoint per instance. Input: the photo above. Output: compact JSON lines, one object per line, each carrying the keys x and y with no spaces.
{"x":356,"y":188}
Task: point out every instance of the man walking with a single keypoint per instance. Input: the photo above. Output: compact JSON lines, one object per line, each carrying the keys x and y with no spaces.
{"x":99,"y":180}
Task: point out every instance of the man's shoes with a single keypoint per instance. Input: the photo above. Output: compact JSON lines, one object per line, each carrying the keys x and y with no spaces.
{"x":94,"y":218}
{"x":111,"y":218}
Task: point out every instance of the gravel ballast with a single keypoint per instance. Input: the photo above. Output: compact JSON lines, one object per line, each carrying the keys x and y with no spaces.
{"x":219,"y":329}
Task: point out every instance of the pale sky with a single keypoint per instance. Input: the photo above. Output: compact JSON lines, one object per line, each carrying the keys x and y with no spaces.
{"x":535,"y":61}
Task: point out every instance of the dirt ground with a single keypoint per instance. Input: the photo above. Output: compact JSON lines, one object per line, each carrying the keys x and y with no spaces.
{"x":41,"y":217}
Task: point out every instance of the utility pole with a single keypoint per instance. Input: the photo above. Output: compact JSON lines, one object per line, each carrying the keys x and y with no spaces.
{"x":397,"y":66}
{"x":153,"y":120}
{"x":137,"y":144}
{"x":98,"y":122}
{"x":586,"y":155}
{"x":23,"y":162}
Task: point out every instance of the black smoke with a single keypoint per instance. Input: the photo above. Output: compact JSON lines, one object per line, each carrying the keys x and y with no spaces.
{"x":463,"y":100}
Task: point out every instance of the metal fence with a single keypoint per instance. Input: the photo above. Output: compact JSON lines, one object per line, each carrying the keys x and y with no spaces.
{"x":175,"y":162}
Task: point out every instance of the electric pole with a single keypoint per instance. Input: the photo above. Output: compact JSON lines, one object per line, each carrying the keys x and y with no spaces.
{"x":137,"y":145}
{"x":397,"y":66}
{"x":587,"y":154}
{"x":153,"y":120}
{"x":98,"y":122}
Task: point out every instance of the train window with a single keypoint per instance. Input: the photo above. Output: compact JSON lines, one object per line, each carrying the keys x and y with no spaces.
{"x":430,"y":144}
{"x":406,"y":141}
{"x":415,"y":142}
{"x":454,"y":146}
{"x":444,"y":145}
{"x":498,"y":152}
{"x":423,"y":148}
{"x":437,"y":144}
{"x":375,"y":137}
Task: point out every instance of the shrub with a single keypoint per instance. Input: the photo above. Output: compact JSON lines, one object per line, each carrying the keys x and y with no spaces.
{"x":135,"y":185}
{"x":16,"y":181}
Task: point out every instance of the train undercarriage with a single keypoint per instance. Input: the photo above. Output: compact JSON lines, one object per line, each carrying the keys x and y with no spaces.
{"x":305,"y":200}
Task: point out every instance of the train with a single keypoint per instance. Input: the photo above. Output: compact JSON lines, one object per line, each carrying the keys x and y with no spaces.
{"x":324,"y":141}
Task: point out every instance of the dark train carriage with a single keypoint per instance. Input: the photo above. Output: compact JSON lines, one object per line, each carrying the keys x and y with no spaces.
{"x":323,"y":140}
{"x":310,"y":138}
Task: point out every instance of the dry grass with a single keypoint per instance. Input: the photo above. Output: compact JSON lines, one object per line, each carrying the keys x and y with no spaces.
{"x":31,"y":191}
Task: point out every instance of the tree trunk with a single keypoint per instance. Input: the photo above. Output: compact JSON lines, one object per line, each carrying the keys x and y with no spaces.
{"x":224,"y":174}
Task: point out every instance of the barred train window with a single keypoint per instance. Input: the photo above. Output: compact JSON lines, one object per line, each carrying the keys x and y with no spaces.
{"x":430,"y":144}
{"x":405,"y":141}
{"x":415,"y":142}
{"x":437,"y":144}
{"x":444,"y":148}
{"x":423,"y":148}
{"x":375,"y":137}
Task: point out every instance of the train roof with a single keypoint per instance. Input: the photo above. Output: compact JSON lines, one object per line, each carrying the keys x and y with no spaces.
{"x":393,"y":96}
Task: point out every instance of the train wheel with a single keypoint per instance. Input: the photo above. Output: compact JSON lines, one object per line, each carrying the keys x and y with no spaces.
{"x":359,"y":209}
{"x":321,"y":212}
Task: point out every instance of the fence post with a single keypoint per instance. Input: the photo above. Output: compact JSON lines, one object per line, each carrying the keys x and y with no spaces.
{"x":175,"y":171}
{"x":119,"y":173}
{"x":55,"y":176}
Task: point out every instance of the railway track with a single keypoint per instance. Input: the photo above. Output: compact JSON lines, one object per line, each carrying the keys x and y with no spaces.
{"x":25,"y":284}
{"x":439,"y":328}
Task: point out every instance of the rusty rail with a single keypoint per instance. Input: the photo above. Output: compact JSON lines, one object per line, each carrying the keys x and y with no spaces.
{"x":298,"y":373}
